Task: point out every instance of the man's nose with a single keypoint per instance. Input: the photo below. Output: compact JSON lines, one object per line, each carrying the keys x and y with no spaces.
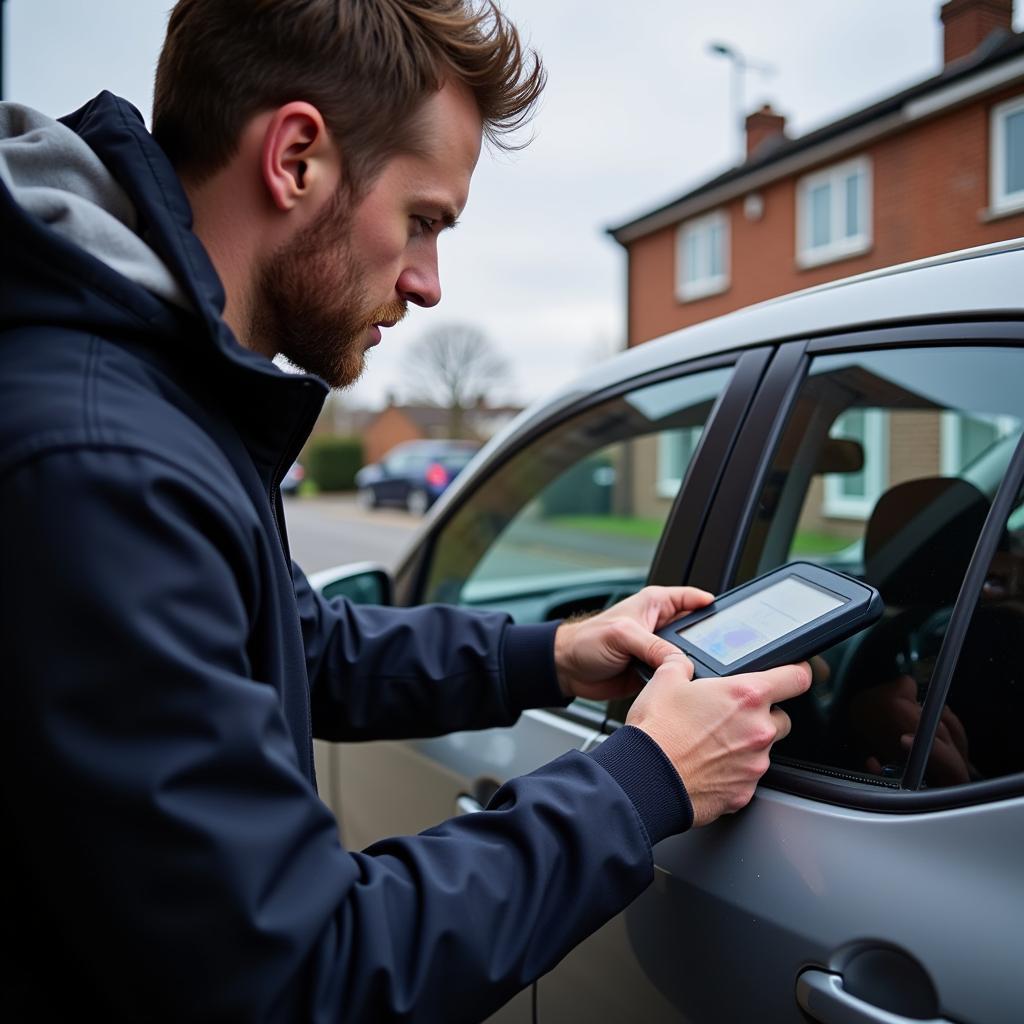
{"x":420,"y":283}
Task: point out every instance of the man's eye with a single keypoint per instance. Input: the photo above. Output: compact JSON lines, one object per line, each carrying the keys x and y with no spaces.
{"x":424,"y":224}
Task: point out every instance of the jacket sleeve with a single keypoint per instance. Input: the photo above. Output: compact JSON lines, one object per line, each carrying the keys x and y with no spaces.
{"x":170,"y":839}
{"x":393,"y":673}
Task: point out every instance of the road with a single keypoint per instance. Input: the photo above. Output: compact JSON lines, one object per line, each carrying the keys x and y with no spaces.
{"x":333,"y":530}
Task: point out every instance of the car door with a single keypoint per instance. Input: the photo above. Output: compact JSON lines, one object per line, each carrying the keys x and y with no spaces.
{"x":567,"y":518}
{"x":875,"y":876}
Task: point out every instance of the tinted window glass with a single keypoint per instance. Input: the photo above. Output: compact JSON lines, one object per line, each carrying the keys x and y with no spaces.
{"x":979,"y":734}
{"x":886,"y":471}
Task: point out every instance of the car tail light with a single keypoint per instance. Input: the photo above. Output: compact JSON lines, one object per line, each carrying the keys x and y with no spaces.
{"x":437,"y":475}
{"x":298,"y":472}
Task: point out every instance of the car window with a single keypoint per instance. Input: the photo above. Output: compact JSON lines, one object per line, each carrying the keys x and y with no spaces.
{"x":574,"y":518}
{"x":455,"y":460}
{"x":978,"y":736}
{"x":886,"y":470}
{"x":405,"y":463}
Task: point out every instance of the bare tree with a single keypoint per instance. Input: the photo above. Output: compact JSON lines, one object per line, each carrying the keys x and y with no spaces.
{"x":455,"y":366}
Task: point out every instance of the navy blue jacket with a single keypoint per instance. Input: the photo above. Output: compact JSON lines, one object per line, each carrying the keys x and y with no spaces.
{"x":165,"y":667}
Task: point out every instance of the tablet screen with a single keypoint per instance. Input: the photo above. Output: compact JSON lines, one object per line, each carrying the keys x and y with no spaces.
{"x":758,"y":620}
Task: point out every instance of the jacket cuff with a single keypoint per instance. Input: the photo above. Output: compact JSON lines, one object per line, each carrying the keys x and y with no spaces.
{"x":649,"y":779}
{"x":529,"y":666}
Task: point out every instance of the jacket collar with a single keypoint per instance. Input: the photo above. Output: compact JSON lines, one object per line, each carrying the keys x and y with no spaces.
{"x":274,"y":410}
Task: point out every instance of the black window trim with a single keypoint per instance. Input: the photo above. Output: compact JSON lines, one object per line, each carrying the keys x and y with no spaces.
{"x":719,"y":549}
{"x":680,"y":536}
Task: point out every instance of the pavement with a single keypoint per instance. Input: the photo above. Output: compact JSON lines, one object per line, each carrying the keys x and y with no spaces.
{"x":332,"y":529}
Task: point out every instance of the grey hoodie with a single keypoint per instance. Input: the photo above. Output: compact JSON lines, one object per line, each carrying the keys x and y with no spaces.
{"x":56,"y":177}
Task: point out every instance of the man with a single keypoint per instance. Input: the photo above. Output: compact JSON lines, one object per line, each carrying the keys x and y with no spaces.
{"x":166,"y":854}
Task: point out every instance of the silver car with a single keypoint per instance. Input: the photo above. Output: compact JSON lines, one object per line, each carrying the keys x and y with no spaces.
{"x":874,"y":426}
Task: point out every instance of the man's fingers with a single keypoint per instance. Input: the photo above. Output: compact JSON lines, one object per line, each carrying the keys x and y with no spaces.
{"x":668,"y":603}
{"x":633,"y":640}
{"x":783,"y":683}
{"x":657,"y":652}
{"x":680,"y":664}
{"x":782,"y":723}
{"x":685,"y":599}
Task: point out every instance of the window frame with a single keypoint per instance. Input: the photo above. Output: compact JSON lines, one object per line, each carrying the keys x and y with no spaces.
{"x":700,"y":229}
{"x":808,"y":255}
{"x":1001,"y":201}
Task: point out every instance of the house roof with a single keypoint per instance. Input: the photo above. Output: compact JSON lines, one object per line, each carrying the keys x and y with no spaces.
{"x":780,"y":156}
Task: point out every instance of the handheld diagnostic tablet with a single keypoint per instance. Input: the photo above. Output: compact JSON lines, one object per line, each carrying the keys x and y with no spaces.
{"x":787,"y":615}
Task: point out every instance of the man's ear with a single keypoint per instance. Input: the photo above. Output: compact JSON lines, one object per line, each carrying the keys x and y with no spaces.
{"x":298,"y":159}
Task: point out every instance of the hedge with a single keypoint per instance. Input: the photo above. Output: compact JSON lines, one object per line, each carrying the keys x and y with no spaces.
{"x":332,"y":462}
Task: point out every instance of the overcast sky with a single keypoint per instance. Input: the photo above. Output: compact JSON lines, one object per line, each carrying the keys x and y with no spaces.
{"x":636,"y":112}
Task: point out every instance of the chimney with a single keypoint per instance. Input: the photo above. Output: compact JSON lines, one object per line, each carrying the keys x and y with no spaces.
{"x":968,"y":23}
{"x":762,"y":125}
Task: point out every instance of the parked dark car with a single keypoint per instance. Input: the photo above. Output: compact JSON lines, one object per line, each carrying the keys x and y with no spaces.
{"x":414,"y":474}
{"x":875,"y":426}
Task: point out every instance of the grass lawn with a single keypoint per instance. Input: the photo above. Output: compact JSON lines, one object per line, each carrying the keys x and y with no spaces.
{"x":806,"y":542}
{"x":810,"y":542}
{"x":616,"y":526}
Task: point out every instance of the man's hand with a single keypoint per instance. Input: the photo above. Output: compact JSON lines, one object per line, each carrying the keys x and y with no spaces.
{"x":592,"y":656}
{"x":717,"y":732}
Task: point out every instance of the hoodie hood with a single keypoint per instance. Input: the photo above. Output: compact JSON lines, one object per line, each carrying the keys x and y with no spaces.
{"x":97,"y":237}
{"x":54,"y":176}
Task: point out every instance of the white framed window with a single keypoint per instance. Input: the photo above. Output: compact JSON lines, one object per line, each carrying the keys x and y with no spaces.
{"x":702,"y":257}
{"x":833,"y":213}
{"x":1006,"y":156}
{"x":853,"y":495}
{"x":967,"y":436}
{"x":675,"y":452}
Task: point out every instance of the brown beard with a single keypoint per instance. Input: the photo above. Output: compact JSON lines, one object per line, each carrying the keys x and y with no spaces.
{"x":310,"y":300}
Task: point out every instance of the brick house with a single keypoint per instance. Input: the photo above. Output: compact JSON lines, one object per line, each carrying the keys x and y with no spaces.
{"x":397,"y":423}
{"x":937,"y":167}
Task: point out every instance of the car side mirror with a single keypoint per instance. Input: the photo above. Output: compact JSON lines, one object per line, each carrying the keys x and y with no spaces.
{"x":361,"y":583}
{"x":840,"y":455}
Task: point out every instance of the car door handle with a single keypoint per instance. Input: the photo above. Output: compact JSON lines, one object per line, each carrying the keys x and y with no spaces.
{"x":466,"y":804}
{"x":821,"y":994}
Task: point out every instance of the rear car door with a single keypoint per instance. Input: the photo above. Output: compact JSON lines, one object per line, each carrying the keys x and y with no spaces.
{"x":876,"y":875}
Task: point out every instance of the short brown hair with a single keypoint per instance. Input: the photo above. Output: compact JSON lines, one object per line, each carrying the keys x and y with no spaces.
{"x":366,"y":65}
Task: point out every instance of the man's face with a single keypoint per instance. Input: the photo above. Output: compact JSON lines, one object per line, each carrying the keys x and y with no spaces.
{"x":325,"y":296}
